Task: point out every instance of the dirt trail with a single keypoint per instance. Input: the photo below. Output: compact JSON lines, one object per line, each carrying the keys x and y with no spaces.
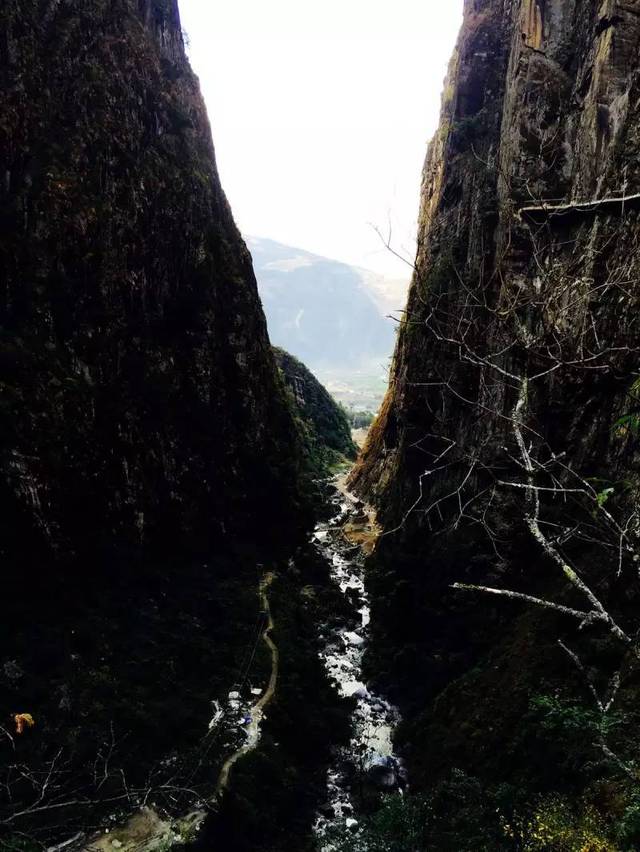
{"x":257,"y":711}
{"x":145,"y":831}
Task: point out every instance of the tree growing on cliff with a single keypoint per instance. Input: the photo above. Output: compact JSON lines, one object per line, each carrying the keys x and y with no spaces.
{"x":511,"y":354}
{"x":497,"y":359}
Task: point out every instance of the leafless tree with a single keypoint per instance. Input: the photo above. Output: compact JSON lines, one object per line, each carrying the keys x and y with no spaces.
{"x":494,"y":358}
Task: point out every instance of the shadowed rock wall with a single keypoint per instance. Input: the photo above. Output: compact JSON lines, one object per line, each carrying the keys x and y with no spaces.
{"x":139,"y":401}
{"x":540,"y":107}
{"x":148,"y":456}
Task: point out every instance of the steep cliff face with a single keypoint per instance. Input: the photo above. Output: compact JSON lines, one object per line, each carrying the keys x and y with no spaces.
{"x":539,"y":108}
{"x":522,"y":323}
{"x":143,"y":424}
{"x":140,"y":404}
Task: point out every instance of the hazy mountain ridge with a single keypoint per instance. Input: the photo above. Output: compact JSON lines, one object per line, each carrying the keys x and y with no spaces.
{"x":310,"y":300}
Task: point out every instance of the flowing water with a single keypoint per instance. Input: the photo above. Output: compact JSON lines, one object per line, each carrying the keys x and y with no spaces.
{"x":368,"y":762}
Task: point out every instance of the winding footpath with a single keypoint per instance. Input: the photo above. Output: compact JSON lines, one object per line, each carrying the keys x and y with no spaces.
{"x":146,"y":831}
{"x":257,"y":711}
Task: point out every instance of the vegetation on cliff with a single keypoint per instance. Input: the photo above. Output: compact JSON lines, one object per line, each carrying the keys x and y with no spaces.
{"x":503,"y":463}
{"x":323,"y":424}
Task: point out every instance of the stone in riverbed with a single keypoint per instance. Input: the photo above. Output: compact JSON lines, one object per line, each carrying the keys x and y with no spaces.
{"x":344,"y":774}
{"x":383,"y":773}
{"x":327,"y":810}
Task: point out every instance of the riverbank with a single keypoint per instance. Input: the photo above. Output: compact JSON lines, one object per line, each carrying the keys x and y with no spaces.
{"x":274,"y":792}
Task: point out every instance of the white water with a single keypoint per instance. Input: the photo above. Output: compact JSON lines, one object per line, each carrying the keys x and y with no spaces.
{"x":374,"y":718}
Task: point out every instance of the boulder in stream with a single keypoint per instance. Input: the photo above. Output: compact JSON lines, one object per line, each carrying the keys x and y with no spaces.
{"x":344,"y":774}
{"x":383,"y":773}
{"x":327,"y":810}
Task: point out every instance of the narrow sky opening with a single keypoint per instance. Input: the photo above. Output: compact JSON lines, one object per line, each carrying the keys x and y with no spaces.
{"x":321,"y":113}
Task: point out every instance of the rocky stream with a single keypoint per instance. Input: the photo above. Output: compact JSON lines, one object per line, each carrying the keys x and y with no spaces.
{"x":368,"y":762}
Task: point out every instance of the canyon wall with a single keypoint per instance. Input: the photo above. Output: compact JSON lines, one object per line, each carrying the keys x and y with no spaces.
{"x":322,"y":423}
{"x":140,"y":402}
{"x":149,"y":460}
{"x":516,"y":358}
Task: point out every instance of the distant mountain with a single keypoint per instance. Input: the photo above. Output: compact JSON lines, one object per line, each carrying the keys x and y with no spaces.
{"x":332,"y":316}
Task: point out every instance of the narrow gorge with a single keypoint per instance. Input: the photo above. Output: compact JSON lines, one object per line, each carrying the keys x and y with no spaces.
{"x":224,"y":628}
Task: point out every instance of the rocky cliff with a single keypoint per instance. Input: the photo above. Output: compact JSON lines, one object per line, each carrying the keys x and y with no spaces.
{"x":496,"y":448}
{"x":142,"y":420}
{"x":138,"y":388}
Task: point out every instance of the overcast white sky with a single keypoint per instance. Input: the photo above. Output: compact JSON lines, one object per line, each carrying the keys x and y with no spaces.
{"x":321,"y":112}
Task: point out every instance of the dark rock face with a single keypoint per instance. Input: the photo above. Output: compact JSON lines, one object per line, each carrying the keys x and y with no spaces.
{"x":143,"y":424}
{"x":541,"y":107}
{"x":138,"y":390}
{"x":519,"y":128}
